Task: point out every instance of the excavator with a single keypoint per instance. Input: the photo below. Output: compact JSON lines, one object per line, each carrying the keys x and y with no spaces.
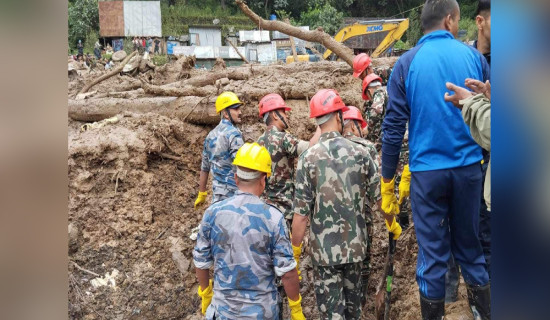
{"x":395,"y":28}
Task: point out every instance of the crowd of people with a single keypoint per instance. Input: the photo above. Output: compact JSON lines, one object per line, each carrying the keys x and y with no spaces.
{"x":420,"y":150}
{"x":101,"y":55}
{"x":143,"y":44}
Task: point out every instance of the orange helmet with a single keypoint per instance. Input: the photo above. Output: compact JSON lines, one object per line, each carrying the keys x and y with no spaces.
{"x":360,"y":63}
{"x":325,"y":101}
{"x":368,"y":79}
{"x":272,"y":102}
{"x":354,"y":114}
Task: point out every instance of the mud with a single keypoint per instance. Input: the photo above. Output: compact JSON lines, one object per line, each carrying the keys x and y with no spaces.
{"x":132,"y":185}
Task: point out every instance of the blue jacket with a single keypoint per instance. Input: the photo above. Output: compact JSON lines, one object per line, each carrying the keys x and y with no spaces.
{"x":438,"y":136}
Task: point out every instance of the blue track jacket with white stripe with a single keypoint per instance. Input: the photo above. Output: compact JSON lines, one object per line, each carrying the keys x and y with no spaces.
{"x":438,"y":136}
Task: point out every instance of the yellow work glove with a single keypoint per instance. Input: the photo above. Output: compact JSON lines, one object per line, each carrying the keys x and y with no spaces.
{"x":405,"y":184}
{"x":297,"y":251}
{"x":206,"y":296}
{"x":389,"y":200}
{"x":395,"y":228}
{"x":200,"y":198}
{"x":296,"y":309}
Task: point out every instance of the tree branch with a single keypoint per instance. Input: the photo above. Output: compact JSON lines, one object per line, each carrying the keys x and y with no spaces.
{"x":318,"y":35}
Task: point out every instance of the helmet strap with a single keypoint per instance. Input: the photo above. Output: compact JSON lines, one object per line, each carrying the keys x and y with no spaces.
{"x":229,"y":115}
{"x":341,"y":116}
{"x":282,"y":119}
{"x":356,"y":122}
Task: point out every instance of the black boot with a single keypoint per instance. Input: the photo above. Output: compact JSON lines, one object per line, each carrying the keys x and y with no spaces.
{"x":432,"y":309}
{"x":479,"y":298}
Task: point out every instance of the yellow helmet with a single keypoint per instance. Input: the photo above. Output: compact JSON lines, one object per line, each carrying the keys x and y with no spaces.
{"x":226,"y":99}
{"x":254,"y":157}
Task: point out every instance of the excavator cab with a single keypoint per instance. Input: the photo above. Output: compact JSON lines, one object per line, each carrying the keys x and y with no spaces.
{"x":395,"y":28}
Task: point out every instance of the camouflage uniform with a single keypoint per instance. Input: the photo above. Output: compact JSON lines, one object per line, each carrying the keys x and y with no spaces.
{"x":384,"y":73}
{"x":283,"y":148}
{"x":375,"y":110}
{"x":335,"y":180}
{"x":365,"y":271}
{"x":247,"y":242}
{"x":220,"y":148}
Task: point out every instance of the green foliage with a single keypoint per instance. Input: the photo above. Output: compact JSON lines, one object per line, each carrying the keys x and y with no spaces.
{"x":160,"y":60}
{"x":471,"y":28}
{"x":106,"y":56}
{"x":326,"y":17}
{"x":400,"y":45}
{"x":467,"y":9}
{"x":83,"y":17}
{"x":177,"y":19}
{"x":414,"y":33}
{"x":90,"y":41}
{"x":127,"y":45}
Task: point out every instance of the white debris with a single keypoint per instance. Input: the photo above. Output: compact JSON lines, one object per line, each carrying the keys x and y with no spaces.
{"x":108,"y":280}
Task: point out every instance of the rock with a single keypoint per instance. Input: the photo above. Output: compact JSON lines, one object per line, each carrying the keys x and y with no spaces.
{"x":180,"y":260}
{"x":73,"y":238}
{"x":119,"y":55}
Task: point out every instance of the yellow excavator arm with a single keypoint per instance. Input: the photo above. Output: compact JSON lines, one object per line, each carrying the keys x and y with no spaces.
{"x":396,"y":28}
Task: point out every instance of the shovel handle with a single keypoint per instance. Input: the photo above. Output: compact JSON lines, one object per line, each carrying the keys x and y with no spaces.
{"x":392,"y":243}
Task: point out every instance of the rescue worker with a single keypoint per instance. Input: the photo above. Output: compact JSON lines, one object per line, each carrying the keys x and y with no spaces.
{"x":247,"y":242}
{"x":284,"y":148}
{"x":483,"y":45}
{"x":220,"y":147}
{"x":362,"y":66}
{"x":333,"y":179}
{"x":445,"y":184}
{"x":376,"y":99}
{"x":354,"y":124}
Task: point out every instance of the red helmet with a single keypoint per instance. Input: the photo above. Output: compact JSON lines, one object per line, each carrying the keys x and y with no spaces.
{"x":272,"y":102}
{"x":368,"y":79}
{"x":360,"y":63}
{"x":354,"y":114}
{"x":325,"y":101}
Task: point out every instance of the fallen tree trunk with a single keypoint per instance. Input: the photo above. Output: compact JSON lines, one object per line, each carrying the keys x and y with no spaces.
{"x":177,"y":92}
{"x":194,"y":110}
{"x":116,"y":70}
{"x":210,"y":78}
{"x":318,"y":35}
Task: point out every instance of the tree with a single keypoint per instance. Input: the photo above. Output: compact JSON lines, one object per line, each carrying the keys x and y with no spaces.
{"x":326,"y":17}
{"x":414,"y":33}
{"x":83,"y":18}
{"x":267,"y":6}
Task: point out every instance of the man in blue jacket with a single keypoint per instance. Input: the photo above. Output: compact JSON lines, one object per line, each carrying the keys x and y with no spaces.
{"x":443,"y":158}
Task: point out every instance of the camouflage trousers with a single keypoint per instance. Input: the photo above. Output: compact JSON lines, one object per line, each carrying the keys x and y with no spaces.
{"x":338,"y":291}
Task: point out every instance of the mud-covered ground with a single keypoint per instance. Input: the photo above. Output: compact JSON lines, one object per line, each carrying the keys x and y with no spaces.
{"x":132,"y":185}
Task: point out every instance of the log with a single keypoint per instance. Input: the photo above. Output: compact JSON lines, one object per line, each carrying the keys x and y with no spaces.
{"x":318,"y":35}
{"x":240,"y":55}
{"x":184,"y":108}
{"x":116,"y":70}
{"x":177,"y":92}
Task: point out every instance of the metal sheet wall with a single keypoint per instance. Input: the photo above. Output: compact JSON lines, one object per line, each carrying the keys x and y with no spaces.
{"x":207,"y":36}
{"x":142,"y":18}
